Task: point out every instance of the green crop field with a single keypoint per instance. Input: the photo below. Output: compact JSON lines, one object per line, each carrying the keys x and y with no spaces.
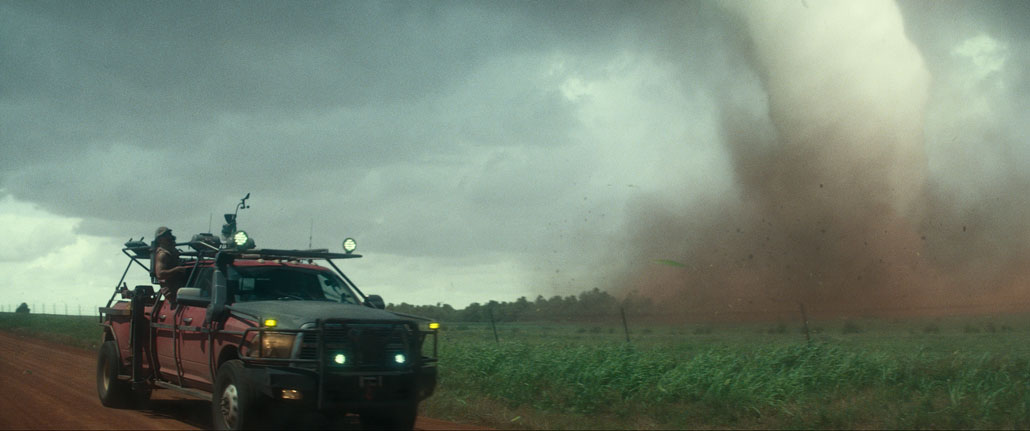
{"x":949,"y":373}
{"x":970,"y":372}
{"x":78,"y":331}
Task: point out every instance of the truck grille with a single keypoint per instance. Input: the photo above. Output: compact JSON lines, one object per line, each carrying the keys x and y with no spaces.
{"x":365,"y":345}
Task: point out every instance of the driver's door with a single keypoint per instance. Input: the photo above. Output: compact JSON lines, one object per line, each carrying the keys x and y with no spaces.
{"x":193,"y":343}
{"x":194,"y":347}
{"x":164,"y":340}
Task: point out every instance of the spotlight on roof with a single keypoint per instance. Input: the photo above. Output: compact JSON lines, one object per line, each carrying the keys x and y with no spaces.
{"x":349,"y":245}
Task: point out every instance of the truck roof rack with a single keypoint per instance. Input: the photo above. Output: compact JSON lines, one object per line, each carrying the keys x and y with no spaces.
{"x":138,"y":251}
{"x":269,"y":253}
{"x":142,"y":251}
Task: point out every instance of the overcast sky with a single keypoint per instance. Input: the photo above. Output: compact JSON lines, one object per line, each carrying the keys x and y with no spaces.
{"x":475,"y":150}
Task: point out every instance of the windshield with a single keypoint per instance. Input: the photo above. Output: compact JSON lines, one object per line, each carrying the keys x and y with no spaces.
{"x":287,"y":283}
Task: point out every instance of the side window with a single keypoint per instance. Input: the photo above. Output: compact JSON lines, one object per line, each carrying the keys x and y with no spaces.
{"x":334,"y":291}
{"x":245,"y":291}
{"x":202,"y":279}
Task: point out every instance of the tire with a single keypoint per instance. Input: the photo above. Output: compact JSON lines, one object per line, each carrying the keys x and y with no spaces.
{"x":112,"y":391}
{"x":235,"y":404}
{"x":401,"y":418}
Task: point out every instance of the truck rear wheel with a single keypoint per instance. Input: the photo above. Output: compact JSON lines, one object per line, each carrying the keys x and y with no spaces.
{"x":112,"y":391}
{"x":235,"y":404}
{"x":402,"y":418}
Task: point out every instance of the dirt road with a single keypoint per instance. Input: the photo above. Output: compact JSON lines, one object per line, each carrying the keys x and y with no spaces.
{"x":51,"y":386}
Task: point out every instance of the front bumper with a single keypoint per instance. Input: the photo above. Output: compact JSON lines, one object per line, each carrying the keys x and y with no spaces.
{"x":343,"y":391}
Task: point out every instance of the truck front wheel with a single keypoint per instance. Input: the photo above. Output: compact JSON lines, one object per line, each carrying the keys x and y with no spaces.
{"x":234,"y":403}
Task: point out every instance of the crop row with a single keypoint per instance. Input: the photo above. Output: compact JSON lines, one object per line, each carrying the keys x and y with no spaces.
{"x":734,"y":384}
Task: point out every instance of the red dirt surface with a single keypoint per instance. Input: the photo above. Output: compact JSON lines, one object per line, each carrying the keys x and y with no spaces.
{"x":51,"y":386}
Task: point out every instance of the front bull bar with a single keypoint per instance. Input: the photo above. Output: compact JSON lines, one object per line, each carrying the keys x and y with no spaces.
{"x":321,"y":361}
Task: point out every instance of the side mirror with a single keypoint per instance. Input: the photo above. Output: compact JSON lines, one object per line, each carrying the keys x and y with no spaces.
{"x":219,"y":294}
{"x":375,"y":301}
{"x":192,"y":296}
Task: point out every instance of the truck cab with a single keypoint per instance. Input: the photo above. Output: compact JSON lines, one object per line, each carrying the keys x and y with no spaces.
{"x":262,"y":331}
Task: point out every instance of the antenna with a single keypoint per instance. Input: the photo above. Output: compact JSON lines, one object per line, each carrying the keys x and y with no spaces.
{"x":229,"y":228}
{"x":243,"y":203}
{"x":241,"y":206}
{"x":209,"y":215}
{"x":311,"y":232}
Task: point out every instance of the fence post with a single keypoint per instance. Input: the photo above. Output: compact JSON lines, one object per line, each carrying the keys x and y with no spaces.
{"x":804,"y":320}
{"x":493,"y":325}
{"x":625,"y":327}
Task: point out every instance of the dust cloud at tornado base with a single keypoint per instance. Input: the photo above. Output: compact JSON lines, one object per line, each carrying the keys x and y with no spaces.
{"x":834,"y":206}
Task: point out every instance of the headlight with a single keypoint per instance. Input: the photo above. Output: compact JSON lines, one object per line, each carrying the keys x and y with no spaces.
{"x":277,"y":344}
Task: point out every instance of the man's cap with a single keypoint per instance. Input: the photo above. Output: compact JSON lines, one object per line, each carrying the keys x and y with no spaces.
{"x":161,"y":231}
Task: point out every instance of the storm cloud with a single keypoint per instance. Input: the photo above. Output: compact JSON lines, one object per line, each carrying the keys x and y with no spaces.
{"x":492,"y":150}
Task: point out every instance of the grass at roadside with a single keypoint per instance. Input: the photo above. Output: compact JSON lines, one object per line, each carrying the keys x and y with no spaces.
{"x":77,"y":331}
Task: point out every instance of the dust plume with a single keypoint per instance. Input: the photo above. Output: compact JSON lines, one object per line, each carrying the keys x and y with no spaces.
{"x":834,"y":204}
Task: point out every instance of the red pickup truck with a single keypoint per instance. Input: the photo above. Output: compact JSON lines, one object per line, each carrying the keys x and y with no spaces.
{"x":261,"y":333}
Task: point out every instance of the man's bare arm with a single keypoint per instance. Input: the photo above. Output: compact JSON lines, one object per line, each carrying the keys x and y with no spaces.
{"x":166,"y":266}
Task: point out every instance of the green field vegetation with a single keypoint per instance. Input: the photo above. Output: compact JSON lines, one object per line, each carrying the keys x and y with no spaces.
{"x":968,"y":372}
{"x":77,"y":331}
{"x":971,"y":372}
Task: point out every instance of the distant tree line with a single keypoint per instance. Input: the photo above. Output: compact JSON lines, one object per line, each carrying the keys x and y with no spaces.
{"x":591,"y":305}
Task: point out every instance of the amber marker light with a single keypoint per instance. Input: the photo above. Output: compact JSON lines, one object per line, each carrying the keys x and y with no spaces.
{"x":434,"y":326}
{"x":271,"y":323}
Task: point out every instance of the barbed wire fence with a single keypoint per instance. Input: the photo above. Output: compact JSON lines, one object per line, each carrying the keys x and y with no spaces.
{"x":627,"y":323}
{"x":54,"y":309}
{"x":624,"y":324}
